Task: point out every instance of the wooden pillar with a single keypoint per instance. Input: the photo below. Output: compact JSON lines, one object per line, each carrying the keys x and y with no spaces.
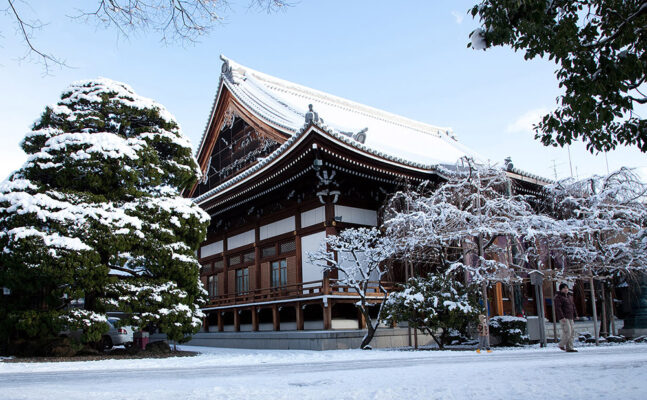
{"x":205,"y":323}
{"x":329,"y":214}
{"x":498,"y":298}
{"x":225,"y":266}
{"x":327,"y":316}
{"x":297,"y":242}
{"x":299,"y":313}
{"x":361,"y":320}
{"x":236,"y":321}
{"x":254,"y":319}
{"x":257,"y":259}
{"x":326,"y":283}
{"x":276,"y":322}
{"x":221,"y":323}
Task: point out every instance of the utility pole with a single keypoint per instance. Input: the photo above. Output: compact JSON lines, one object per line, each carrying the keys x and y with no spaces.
{"x":554,"y":168}
{"x":607,"y":161}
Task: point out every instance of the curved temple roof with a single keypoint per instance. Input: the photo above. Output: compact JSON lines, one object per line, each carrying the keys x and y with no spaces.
{"x":283,"y":104}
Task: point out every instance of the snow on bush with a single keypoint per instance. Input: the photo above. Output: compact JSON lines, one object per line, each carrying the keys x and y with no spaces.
{"x":98,"y":203}
{"x":510,"y":330}
{"x":437,"y":303}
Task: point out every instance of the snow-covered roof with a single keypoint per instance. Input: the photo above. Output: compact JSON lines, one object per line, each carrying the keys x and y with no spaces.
{"x":283,"y":105}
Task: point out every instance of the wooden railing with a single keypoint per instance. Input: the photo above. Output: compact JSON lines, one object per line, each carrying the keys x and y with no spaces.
{"x":325,"y":286}
{"x":372,"y":290}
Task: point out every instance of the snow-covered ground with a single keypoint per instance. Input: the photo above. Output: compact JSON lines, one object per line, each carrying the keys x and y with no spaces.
{"x":611,"y":372}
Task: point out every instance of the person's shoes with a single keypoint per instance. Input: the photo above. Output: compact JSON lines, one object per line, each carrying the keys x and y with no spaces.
{"x":561,"y":348}
{"x":571,"y":351}
{"x":478,"y":351}
{"x":489,"y":351}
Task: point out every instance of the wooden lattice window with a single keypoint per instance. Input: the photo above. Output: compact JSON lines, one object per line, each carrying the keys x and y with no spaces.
{"x":268,"y":251}
{"x":287,"y":247}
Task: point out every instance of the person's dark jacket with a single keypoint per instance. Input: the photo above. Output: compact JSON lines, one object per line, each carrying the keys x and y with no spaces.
{"x":564,"y":307}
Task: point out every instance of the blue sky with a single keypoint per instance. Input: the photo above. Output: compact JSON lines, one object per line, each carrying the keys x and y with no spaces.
{"x":408,"y":57}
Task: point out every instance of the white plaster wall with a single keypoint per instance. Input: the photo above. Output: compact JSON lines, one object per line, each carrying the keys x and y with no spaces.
{"x":356,"y":215}
{"x":313,"y":325}
{"x":241,"y":239}
{"x":313,"y":217}
{"x":266,"y":326}
{"x":288,"y":326}
{"x":277,"y":228}
{"x":211,"y":249}
{"x":344,"y":324}
{"x":311,"y":243}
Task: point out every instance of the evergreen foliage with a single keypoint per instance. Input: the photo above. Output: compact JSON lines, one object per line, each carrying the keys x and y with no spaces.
{"x":435,"y":303}
{"x":96,"y":212}
{"x":511,"y":331}
{"x":599,"y":47}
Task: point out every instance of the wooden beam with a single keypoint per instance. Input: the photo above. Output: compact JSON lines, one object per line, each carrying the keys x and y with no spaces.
{"x":236,"y":321}
{"x":361,"y":320}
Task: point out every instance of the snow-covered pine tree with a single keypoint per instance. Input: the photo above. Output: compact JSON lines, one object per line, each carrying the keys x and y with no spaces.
{"x":96,"y":214}
{"x":438,"y":304}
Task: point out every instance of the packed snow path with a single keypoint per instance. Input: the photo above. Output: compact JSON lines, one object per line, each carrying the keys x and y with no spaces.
{"x":593,"y":373}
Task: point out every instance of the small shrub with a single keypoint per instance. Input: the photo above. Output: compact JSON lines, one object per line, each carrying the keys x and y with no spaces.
{"x":44,"y":347}
{"x":88,"y":350}
{"x":511,"y":331}
{"x":455,"y":337}
{"x":640,"y":339}
{"x":158,"y":347}
{"x":584,"y":336}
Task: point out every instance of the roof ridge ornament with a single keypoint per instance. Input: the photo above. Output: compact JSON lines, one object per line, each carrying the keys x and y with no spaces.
{"x":361,"y":136}
{"x":312,"y":117}
{"x":226,"y":68}
{"x":231,"y":70}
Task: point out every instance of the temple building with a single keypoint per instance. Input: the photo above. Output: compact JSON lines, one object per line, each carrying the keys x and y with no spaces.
{"x":284,"y":166}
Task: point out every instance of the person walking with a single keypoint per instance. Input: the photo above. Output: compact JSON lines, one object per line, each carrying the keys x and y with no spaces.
{"x":565,"y":313}
{"x":484,"y":333}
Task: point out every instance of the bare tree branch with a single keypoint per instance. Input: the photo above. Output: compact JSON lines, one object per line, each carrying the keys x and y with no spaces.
{"x":176,"y":20}
{"x":25,"y":30}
